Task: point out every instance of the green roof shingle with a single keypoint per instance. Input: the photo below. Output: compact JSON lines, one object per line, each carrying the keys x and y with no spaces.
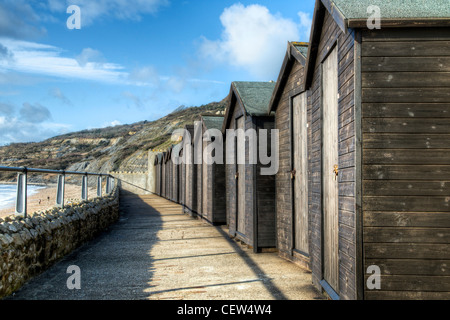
{"x":255,"y":96}
{"x":213,"y":122}
{"x":302,"y":48}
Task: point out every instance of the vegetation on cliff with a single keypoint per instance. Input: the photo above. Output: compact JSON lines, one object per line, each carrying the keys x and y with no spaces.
{"x":119,"y":148}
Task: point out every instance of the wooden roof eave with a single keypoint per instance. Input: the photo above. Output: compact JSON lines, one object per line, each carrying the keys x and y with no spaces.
{"x":316,"y":30}
{"x":235,"y":99}
{"x":401,"y":23}
{"x":288,"y":62}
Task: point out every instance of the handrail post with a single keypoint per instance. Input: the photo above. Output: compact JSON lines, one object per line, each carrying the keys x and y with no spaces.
{"x":108,"y":184}
{"x":84,"y":189}
{"x":99,"y":186}
{"x":21,"y":196}
{"x":60,"y":190}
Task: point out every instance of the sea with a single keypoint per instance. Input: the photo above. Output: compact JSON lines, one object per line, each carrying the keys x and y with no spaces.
{"x":8,"y":194}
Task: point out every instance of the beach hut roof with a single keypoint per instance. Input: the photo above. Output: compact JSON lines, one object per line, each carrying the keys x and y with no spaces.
{"x":253,"y":97}
{"x":213,"y":122}
{"x":356,"y":11}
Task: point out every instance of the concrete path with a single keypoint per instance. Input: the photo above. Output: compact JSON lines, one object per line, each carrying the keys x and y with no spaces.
{"x":157,"y":252}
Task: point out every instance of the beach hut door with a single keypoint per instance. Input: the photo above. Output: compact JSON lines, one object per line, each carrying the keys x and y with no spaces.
{"x":330,"y":169}
{"x":300,"y":173}
{"x":241,"y":183}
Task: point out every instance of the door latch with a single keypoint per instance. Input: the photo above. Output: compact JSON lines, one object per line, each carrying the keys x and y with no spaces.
{"x":293,"y":174}
{"x":336,"y":171}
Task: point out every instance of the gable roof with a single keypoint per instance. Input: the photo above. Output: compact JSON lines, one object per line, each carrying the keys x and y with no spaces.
{"x":254,"y":97}
{"x":296,"y":51}
{"x":213,"y":122}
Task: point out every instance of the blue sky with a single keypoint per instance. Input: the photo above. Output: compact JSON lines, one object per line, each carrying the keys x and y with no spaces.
{"x":133,"y":60}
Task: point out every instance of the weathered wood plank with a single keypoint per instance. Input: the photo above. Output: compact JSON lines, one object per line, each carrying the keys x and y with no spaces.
{"x":405,"y":79}
{"x":414,"y":283}
{"x":402,"y":95}
{"x":406,"y":251}
{"x":406,"y":156}
{"x":407,"y":203}
{"x":407,"y":219}
{"x":408,"y":64}
{"x":405,"y":49}
{"x":407,"y":234}
{"x":406,"y":141}
{"x":406,"y":188}
{"x":407,"y":172}
{"x":405,"y":34}
{"x":406,"y":110}
{"x":411,"y":266}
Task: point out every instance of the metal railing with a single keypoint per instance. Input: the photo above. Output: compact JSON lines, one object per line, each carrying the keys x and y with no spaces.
{"x":22,"y":172}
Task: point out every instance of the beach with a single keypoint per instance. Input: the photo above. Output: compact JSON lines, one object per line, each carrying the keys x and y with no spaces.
{"x":46,"y":198}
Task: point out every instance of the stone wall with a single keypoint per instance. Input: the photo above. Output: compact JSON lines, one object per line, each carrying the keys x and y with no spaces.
{"x":139,"y":182}
{"x":31,"y":245}
{"x":135,"y":182}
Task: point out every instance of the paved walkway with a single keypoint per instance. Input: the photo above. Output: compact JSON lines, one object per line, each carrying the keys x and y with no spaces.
{"x":156,"y":252}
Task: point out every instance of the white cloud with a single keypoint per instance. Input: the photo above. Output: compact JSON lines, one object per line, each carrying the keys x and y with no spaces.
{"x":112,"y":124}
{"x":31,"y":123}
{"x":19,"y":20}
{"x":15,"y":130}
{"x":36,"y":113}
{"x":89,"y":55}
{"x":47,"y":60}
{"x":305,"y":25}
{"x":253,"y":39}
{"x":58,"y":94}
{"x":6,"y":109}
{"x":135,"y":99}
{"x":147,"y":75}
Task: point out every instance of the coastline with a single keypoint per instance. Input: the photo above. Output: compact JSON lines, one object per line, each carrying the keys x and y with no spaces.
{"x":45,"y":198}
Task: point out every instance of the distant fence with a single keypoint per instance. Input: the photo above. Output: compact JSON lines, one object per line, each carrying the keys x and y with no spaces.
{"x":21,"y":196}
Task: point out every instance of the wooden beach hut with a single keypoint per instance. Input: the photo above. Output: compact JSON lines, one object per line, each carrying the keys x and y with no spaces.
{"x":163,"y":175}
{"x":380,"y":148}
{"x":289,"y":102}
{"x":176,"y":168}
{"x":158,"y":166}
{"x":211,"y":176}
{"x":182,"y":180}
{"x":190,"y":175}
{"x":169,"y":179}
{"x":250,"y":195}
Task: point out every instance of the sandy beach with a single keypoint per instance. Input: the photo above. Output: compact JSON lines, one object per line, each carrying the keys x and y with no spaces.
{"x":46,"y":199}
